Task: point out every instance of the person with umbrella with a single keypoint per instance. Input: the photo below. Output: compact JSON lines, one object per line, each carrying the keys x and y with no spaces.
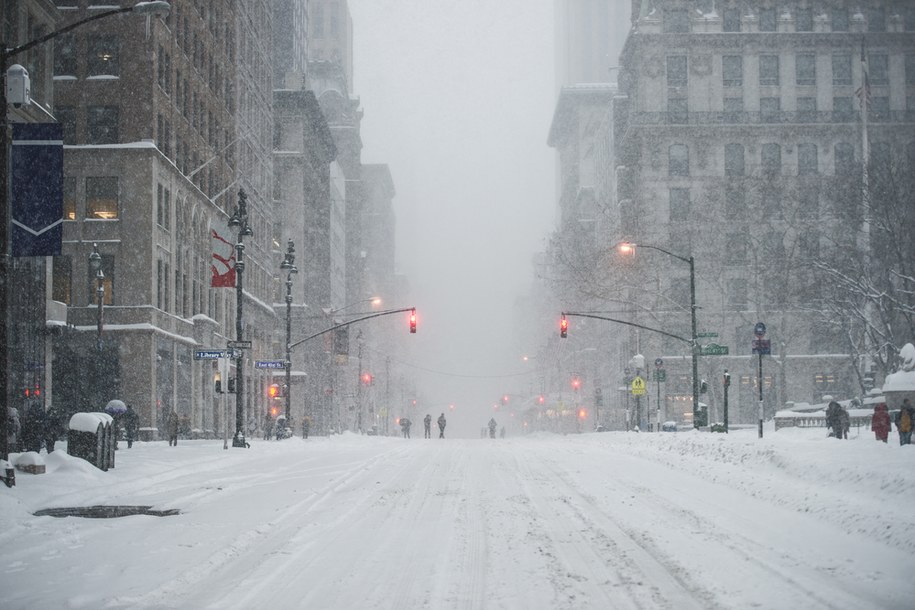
{"x":116,"y":409}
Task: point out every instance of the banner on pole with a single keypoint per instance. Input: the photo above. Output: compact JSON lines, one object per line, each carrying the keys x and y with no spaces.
{"x":222,"y":263}
{"x":36,"y":189}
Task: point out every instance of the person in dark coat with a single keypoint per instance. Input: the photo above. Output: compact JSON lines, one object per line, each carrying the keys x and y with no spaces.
{"x":905,"y":421}
{"x":405,"y":424}
{"x":492,"y":427}
{"x":441,"y":426}
{"x":52,"y":427}
{"x":880,"y":422}
{"x":33,"y":429}
{"x":172,"y":426}
{"x":427,"y":425}
{"x":306,"y":424}
{"x":131,"y":425}
{"x":834,"y":419}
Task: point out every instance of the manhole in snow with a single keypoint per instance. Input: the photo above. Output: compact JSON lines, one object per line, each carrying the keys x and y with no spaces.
{"x":105,"y":512}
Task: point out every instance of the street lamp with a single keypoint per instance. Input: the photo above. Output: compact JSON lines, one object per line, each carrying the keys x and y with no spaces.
{"x":95,"y":263}
{"x":6,"y":54}
{"x":239,"y":220}
{"x":288,"y":266}
{"x":629,"y":248}
{"x":330,"y":312}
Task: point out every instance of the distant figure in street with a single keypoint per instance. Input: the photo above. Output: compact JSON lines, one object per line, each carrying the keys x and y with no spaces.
{"x":492,"y":427}
{"x":427,"y":425}
{"x":441,"y":426}
{"x":834,"y":419}
{"x":131,"y":425}
{"x":502,"y":432}
{"x":33,"y":428}
{"x":13,"y":429}
{"x":880,"y":422}
{"x":172,"y":427}
{"x":844,"y":423}
{"x":268,"y":426}
{"x":305,"y":426}
{"x":52,"y":427}
{"x":405,"y":424}
{"x":904,"y":421}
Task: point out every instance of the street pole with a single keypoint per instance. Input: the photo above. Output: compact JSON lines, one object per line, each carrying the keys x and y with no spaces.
{"x":289,"y":266}
{"x":727,"y":384}
{"x":760,"y":395}
{"x":240,"y":220}
{"x":695,"y":339}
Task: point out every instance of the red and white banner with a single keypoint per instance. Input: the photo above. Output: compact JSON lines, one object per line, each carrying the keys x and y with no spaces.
{"x":222,"y":264}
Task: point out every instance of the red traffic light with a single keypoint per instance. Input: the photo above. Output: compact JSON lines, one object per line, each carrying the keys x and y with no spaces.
{"x":563,"y":327}
{"x":582,"y":413}
{"x":413,"y":320}
{"x":367,"y":378}
{"x":576,"y":382}
{"x":541,"y":399}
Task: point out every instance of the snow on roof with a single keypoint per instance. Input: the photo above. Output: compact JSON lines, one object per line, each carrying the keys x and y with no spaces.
{"x":89,"y":422}
{"x":903,"y":381}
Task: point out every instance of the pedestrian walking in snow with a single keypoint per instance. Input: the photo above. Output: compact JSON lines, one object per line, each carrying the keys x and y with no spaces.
{"x":904,"y":421}
{"x":834,"y":419}
{"x":405,"y":424}
{"x":172,"y":426}
{"x":52,"y":427}
{"x":441,"y":426}
{"x":305,"y":427}
{"x":427,"y":425}
{"x":33,"y":428}
{"x":131,"y":426}
{"x":492,"y":427}
{"x":880,"y":422}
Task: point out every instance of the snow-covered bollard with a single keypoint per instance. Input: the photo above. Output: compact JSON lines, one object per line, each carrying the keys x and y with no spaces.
{"x":30,"y":462}
{"x":9,"y":474}
{"x":90,"y":438}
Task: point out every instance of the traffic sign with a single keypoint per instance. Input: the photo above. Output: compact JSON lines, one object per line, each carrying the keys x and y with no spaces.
{"x":763,"y":347}
{"x":239,"y":344}
{"x":713,"y":349}
{"x":760,"y":329}
{"x":707,"y":335}
{"x":660,"y":375}
{"x":269,"y":364}
{"x":658,"y":362}
{"x":209,"y":354}
{"x":638,"y":386}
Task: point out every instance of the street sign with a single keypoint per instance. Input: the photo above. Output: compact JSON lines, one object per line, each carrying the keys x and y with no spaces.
{"x":658,"y":362}
{"x":638,"y":386}
{"x":759,"y":330}
{"x":209,"y":354}
{"x":660,"y":375}
{"x":239,"y":344}
{"x":713,"y":349}
{"x":269,"y":364}
{"x":707,"y":335}
{"x":763,"y":347}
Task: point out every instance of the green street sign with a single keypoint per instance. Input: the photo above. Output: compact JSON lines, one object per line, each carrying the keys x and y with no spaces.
{"x":707,"y":335}
{"x":660,"y":375}
{"x":713,"y":349}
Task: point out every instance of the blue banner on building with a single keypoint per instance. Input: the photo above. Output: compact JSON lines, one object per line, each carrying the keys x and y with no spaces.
{"x":36,"y":189}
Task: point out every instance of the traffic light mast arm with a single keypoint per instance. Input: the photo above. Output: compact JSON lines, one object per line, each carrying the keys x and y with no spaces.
{"x":342,"y":324}
{"x":654,"y":330}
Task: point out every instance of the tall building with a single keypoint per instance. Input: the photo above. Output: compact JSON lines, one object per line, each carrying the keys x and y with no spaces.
{"x":164,"y":123}
{"x":738,"y":140}
{"x":588,"y":34}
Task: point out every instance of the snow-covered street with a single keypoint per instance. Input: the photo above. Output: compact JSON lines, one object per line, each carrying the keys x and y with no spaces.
{"x":612,"y":520}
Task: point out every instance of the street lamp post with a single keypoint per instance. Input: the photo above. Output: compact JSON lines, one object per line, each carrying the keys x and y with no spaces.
{"x":627,"y":248}
{"x":289,"y":267}
{"x":95,"y":263}
{"x":239,"y":220}
{"x":6,"y":55}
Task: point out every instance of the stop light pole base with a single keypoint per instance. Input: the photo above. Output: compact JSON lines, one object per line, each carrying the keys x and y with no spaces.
{"x":239,"y":440}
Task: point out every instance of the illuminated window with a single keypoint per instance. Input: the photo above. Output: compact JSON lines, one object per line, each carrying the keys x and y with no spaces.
{"x":102,"y":197}
{"x":69,"y":199}
{"x":103,"y":55}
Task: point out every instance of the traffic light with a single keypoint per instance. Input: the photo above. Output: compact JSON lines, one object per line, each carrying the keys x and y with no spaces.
{"x":576,"y":383}
{"x":541,"y":399}
{"x":217,"y":383}
{"x":504,"y":399}
{"x":274,"y":390}
{"x":231,"y":385}
{"x":413,"y":320}
{"x":33,"y":392}
{"x":563,"y":327}
{"x":367,"y":379}
{"x":582,"y":413}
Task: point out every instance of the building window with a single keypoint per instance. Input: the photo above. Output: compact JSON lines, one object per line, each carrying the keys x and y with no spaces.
{"x":840,"y":19}
{"x":842,"y":109}
{"x":317,"y":21}
{"x":66,"y":116}
{"x":737,"y":294}
{"x":731,"y":20}
{"x":69,"y":187}
{"x":163,"y":206}
{"x":677,"y":74}
{"x":877,"y":72}
{"x":841,"y":69}
{"x":732,"y":70}
{"x":677,"y":110}
{"x":735,"y":202}
{"x":678,"y":160}
{"x":733,"y":109}
{"x":103,"y":56}
{"x":102,"y":124}
{"x":771,"y":204}
{"x":767,"y":20}
{"x":879,"y":108}
{"x":803,"y":19}
{"x":679,"y":205}
{"x":876,"y":19}
{"x":807,"y":106}
{"x":107,"y":283}
{"x":910,"y":69}
{"x":806,"y":69}
{"x":65,"y":55}
{"x":676,"y":21}
{"x":808,"y":202}
{"x":734,"y":164}
{"x":735,"y":252}
{"x":771,"y":159}
{"x":769,"y":108}
{"x":102,"y":197}
{"x":62,"y":280}
{"x":845,"y":158}
{"x":807,"y":159}
{"x":768,"y":69}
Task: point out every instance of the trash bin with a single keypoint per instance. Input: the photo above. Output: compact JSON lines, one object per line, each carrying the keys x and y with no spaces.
{"x":90,"y":437}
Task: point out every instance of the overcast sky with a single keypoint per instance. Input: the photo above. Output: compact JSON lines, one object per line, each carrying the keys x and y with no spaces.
{"x":458,"y":96}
